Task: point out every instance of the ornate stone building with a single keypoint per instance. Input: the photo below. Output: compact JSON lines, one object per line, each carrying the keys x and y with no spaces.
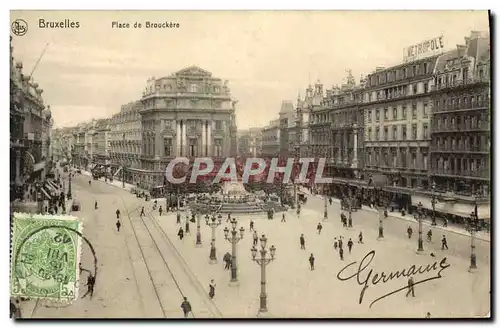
{"x":461,"y":135}
{"x":125,"y":141}
{"x":397,"y":107}
{"x":271,"y":139}
{"x":187,"y":114}
{"x":250,"y":142}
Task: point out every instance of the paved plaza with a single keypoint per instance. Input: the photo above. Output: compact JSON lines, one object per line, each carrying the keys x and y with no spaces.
{"x":137,"y":281}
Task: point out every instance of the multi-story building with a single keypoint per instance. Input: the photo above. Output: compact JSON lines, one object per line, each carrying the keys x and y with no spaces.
{"x":397,"y":107}
{"x":287,"y":118}
{"x":189,"y":113}
{"x":460,"y":149}
{"x":78,"y":152}
{"x":271,"y":140}
{"x":125,"y":137}
{"x":102,"y":142}
{"x":250,"y":142}
{"x":341,"y":124}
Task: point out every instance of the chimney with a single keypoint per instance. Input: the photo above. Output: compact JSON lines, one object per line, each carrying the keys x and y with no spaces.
{"x":461,"y":50}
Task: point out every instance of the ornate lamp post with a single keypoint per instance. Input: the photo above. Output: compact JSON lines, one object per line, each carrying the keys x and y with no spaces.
{"x":433,"y":202}
{"x":473,"y":229}
{"x":212,"y":223}
{"x":349,"y":204}
{"x":325,"y":214}
{"x":198,"y":231}
{"x":69,"y":185}
{"x":379,"y":182}
{"x":419,"y":218}
{"x":263,"y":261}
{"x":178,"y":204}
{"x":233,"y":239}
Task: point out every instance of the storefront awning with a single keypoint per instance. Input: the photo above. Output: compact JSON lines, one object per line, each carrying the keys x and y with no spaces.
{"x":45,"y":193}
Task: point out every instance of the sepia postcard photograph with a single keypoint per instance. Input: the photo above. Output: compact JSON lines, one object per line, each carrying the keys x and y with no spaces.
{"x":232,"y":164}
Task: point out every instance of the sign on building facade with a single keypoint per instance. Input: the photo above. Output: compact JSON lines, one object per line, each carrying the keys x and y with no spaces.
{"x":423,"y":49}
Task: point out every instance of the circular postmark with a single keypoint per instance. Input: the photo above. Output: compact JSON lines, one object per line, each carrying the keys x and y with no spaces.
{"x":19,"y":27}
{"x":46,"y":264}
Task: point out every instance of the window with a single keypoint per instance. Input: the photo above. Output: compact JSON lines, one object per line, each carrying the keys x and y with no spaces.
{"x":415,"y":90}
{"x":426,"y":87}
{"x":414,"y":70}
{"x":218,"y":125}
{"x":404,"y":112}
{"x":404,"y":132}
{"x":426,"y":130}
{"x":377,"y":133}
{"x":386,"y":133}
{"x":168,"y":146}
{"x":369,"y":133}
{"x":218,"y":147}
{"x":394,"y":132}
{"x":395,"y":113}
{"x":413,"y":160}
{"x":424,"y":161}
{"x":193,"y":88}
{"x":414,"y":131}
{"x":414,"y":110}
{"x":386,"y":113}
{"x":425,"y":69}
{"x":377,"y":115}
{"x":426,"y":110}
{"x":444,"y":104}
{"x":192,"y":150}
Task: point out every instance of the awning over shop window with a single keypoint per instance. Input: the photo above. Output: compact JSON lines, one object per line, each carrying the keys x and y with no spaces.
{"x":45,"y":193}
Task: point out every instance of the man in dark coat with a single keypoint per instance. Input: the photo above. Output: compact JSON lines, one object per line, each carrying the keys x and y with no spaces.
{"x":186,"y":307}
{"x":302,"y":242}
{"x":411,"y":287}
{"x":311,"y":261}
{"x":349,"y":245}
{"x":118,"y":225}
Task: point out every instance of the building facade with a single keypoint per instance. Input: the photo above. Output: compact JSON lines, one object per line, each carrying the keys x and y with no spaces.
{"x":187,"y":114}
{"x":271,"y":140}
{"x":287,"y":118}
{"x":125,"y":140}
{"x":461,"y":135}
{"x":397,"y":107}
{"x":250,"y":142}
{"x":102,"y":143}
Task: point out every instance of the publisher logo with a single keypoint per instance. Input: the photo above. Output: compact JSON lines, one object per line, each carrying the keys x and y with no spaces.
{"x":19,"y":27}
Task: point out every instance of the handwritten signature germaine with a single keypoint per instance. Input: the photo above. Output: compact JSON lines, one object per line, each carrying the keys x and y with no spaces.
{"x":383,"y":277}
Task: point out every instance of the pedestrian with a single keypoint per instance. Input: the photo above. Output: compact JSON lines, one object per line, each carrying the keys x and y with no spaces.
{"x":344,"y":222}
{"x":335,"y":243}
{"x":319,"y":227}
{"x":255,"y":238}
{"x":118,"y":225}
{"x":302,"y":242}
{"x":15,"y":309}
{"x":341,"y":253}
{"x":228,"y":217}
{"x":428,"y":315}
{"x":251,"y":225}
{"x":349,"y":245}
{"x":341,"y":243}
{"x":330,"y":200}
{"x":178,"y":218}
{"x":444,"y":243}
{"x":227,"y":261}
{"x":311,"y":261}
{"x":411,"y":287}
{"x":117,"y":214}
{"x":429,"y":235}
{"x":95,"y":205}
{"x":211,"y":288}
{"x":283,"y":217}
{"x":409,"y":231}
{"x":445,"y":222}
{"x":142,"y":212}
{"x":360,"y":238}
{"x":186,"y":307}
{"x":180,"y":233}
{"x":90,"y":182}
{"x":187,"y":226}
{"x":90,"y":286}
{"x":160,"y":210}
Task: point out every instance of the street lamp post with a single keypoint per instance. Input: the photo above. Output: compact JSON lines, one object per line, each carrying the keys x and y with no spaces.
{"x":198,"y":232}
{"x":473,"y":229}
{"x":263,"y":261}
{"x":69,"y":185}
{"x":419,"y":217}
{"x":233,"y":239}
{"x":350,"y":212}
{"x":379,"y":181}
{"x":325,"y":214}
{"x":178,"y":206}
{"x":212,"y":223}
{"x":433,"y":202}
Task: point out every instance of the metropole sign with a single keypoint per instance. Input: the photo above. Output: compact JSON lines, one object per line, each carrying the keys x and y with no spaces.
{"x":423,"y":49}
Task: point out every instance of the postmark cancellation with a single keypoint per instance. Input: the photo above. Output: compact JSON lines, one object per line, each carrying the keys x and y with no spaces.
{"x":45,"y":255}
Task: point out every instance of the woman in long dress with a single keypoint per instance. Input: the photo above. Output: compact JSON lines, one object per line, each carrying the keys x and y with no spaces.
{"x":211,"y":292}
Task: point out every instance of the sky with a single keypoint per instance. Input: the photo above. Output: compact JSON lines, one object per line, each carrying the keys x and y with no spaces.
{"x":267,"y":56}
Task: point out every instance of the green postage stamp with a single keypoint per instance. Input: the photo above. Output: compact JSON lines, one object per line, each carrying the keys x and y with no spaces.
{"x":45,"y":256}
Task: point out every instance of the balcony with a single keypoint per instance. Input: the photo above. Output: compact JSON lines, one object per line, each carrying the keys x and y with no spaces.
{"x":461,"y":128}
{"x":459,"y":149}
{"x":462,"y":107}
{"x":461,"y":83}
{"x":482,"y":174}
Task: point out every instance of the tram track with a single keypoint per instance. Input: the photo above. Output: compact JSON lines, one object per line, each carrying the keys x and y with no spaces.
{"x":159,"y":253}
